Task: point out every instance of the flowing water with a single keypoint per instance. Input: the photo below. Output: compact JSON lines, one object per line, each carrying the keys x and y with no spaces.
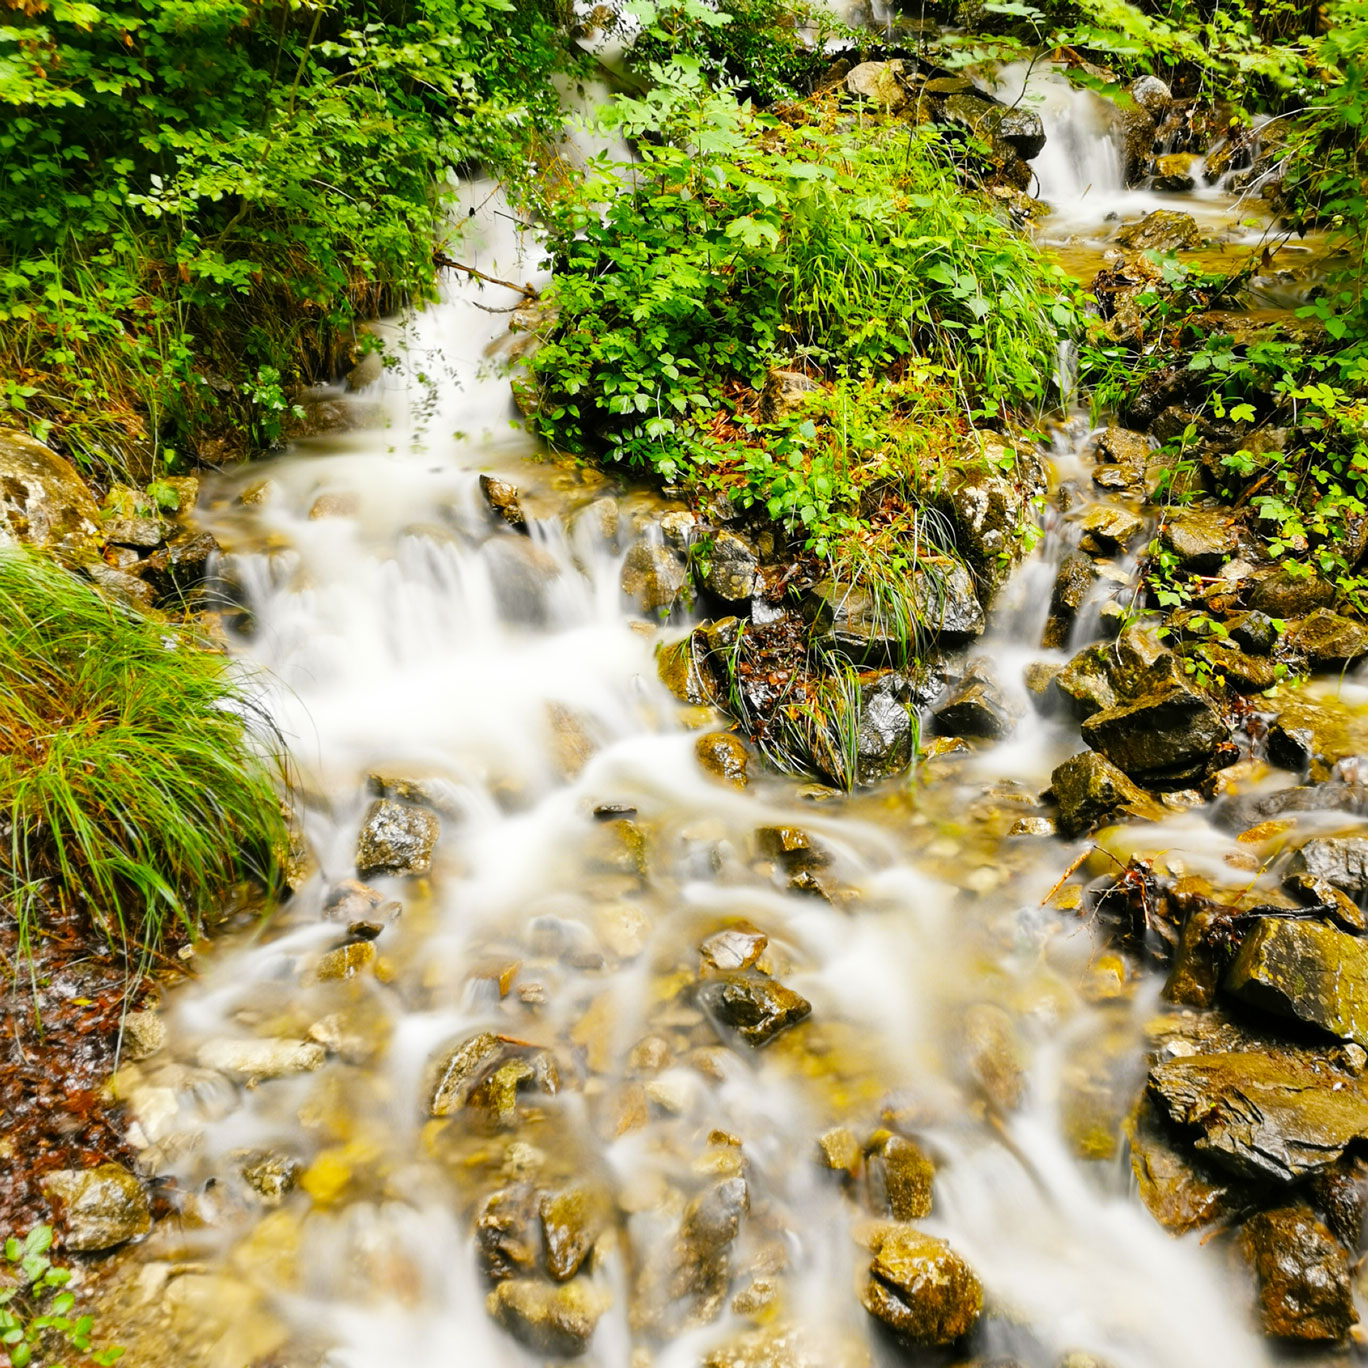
{"x":402,"y":633}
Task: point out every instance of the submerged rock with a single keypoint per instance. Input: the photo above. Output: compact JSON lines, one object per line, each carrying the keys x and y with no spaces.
{"x":755,"y":1007}
{"x":1088,"y":788}
{"x":1279,"y":1114}
{"x":993,"y":1056}
{"x":900,"y":1178}
{"x":787,"y":1346}
{"x":1075,"y":577}
{"x":921,"y":1289}
{"x":549,"y":1318}
{"x":506,"y":1232}
{"x":1303,"y":1276}
{"x":251,"y":1059}
{"x":571,"y":1222}
{"x":97,"y":1208}
{"x":1162,"y":738}
{"x":458,"y":1070}
{"x":1307,"y":971}
{"x":396,"y":839}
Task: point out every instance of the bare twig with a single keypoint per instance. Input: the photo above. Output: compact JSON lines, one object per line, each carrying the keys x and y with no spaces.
{"x":446,"y":263}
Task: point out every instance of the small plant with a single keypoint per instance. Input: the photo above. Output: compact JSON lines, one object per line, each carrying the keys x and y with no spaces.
{"x":35,"y":1308}
{"x":137,"y":780}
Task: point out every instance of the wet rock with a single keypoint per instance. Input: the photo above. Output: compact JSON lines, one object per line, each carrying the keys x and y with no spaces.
{"x":1307,"y":971}
{"x":733,"y":571}
{"x":1340,"y":860}
{"x":1246,"y":673}
{"x":507,"y":1234}
{"x":787,"y":1346}
{"x":736,"y":948}
{"x":549,"y":1318}
{"x":1020,"y":131}
{"x":1239,"y":814}
{"x":571,"y":1222}
{"x":883,"y":731}
{"x":1285,"y":594}
{"x":253,"y":1059}
{"x":1023,"y":131}
{"x":712,"y":1220}
{"x":1254,"y":632}
{"x":941,"y":593}
{"x":900,"y":1178}
{"x":597,"y":521}
{"x":785,"y":391}
{"x":839,"y":1150}
{"x":1325,"y":900}
{"x":1121,"y":446}
{"x":988,"y":512}
{"x":350,"y":900}
{"x":335,"y":504}
{"x":921,"y":1289}
{"x":456,"y":1072}
{"x":683,"y":670}
{"x":271,"y":1175}
{"x":993,"y":1056}
{"x":347,"y":961}
{"x":1339,"y":1196}
{"x":977,"y":708}
{"x":144,"y":1035}
{"x":503,"y":501}
{"x":43,"y":501}
{"x":1176,"y":172}
{"x":1327,"y":639}
{"x":1165,"y":738}
{"x":756,"y":1008}
{"x":1278,"y":1114}
{"x":1163,"y":230}
{"x":1180,"y":1190}
{"x":144,"y":533}
{"x":1072,"y":582}
{"x":396,"y":839}
{"x":97,"y":1208}
{"x":1303,"y":1276}
{"x":1201,"y":540}
{"x":1152,"y":95}
{"x":653,"y":576}
{"x":724,"y":755}
{"x":881,"y":83}
{"x":1108,"y":528}
{"x":120,"y":585}
{"x":181,"y":567}
{"x":1086,"y":682}
{"x":1088,"y":789}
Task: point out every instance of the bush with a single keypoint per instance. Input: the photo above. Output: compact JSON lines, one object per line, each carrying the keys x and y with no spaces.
{"x":137,"y":781}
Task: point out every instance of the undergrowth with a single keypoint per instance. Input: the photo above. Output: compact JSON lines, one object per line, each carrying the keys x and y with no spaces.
{"x":137,"y":781}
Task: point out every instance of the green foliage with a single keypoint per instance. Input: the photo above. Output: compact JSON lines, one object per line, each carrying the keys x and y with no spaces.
{"x":136,"y":778}
{"x":197,"y":196}
{"x":739,"y":242}
{"x":36,"y":1307}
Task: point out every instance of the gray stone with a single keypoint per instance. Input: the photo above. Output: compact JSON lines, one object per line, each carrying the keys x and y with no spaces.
{"x":879,"y":82}
{"x":97,"y":1208}
{"x":1253,"y":632}
{"x":733,"y":568}
{"x":1340,"y":860}
{"x":1200,"y":540}
{"x":988,"y":513}
{"x":396,"y":839}
{"x":883,"y":732}
{"x":1152,"y":95}
{"x":43,"y":501}
{"x":941,"y":592}
{"x":977,"y":708}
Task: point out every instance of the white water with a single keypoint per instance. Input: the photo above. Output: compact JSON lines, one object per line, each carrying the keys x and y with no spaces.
{"x":415,"y":638}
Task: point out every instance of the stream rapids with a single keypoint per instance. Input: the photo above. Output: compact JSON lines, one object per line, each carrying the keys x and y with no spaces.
{"x":408,"y":644}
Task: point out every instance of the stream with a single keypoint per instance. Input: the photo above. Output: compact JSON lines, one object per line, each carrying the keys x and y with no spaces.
{"x":409,"y":644}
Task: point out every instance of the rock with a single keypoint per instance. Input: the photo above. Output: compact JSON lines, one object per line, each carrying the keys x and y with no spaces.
{"x":712,"y":1220}
{"x":97,"y":1208}
{"x":1180,"y":1190}
{"x":941,"y":593}
{"x":180,"y":567}
{"x":1022,"y":131}
{"x":1121,"y":446}
{"x":346,"y":961}
{"x":1138,"y":132}
{"x":335,"y":504}
{"x":250,"y":1060}
{"x":653,"y":576}
{"x":683,"y":669}
{"x":121,"y":585}
{"x":503,"y":501}
{"x":785,"y":391}
{"x":1246,"y":673}
{"x":1254,"y":632}
{"x":43,"y":501}
{"x":144,"y":533}
{"x":724,"y":755}
{"x":1303,"y":1275}
{"x":993,"y":1056}
{"x":455,"y":1073}
{"x":900,"y":1177}
{"x":396,"y":839}
{"x":549,"y":1318}
{"x":1200,"y":540}
{"x":1323,"y":899}
{"x":977,"y":708}
{"x":1339,"y":860}
{"x":921,"y":1289}
{"x":736,"y":948}
{"x":1086,"y":682}
{"x":1075,"y":577}
{"x":144,"y":1034}
{"x":839,"y":1150}
{"x":733,"y":568}
{"x":1163,"y":230}
{"x":879,"y":82}
{"x":507,"y":1236}
{"x":1284,"y":594}
{"x":596,"y":521}
{"x":1326,"y":638}
{"x":1238,"y":814}
{"x":1275,"y":1114}
{"x":1176,"y":172}
{"x":1165,"y":738}
{"x":940,"y":597}
{"x":1018,"y":130}
{"x":755,"y":1007}
{"x":1307,"y":971}
{"x":787,"y":1346}
{"x":271,"y":1175}
{"x":1108,"y":528}
{"x":350,"y":900}
{"x":1088,"y":788}
{"x":1152,"y":95}
{"x":571,"y":1222}
{"x":988,"y":513}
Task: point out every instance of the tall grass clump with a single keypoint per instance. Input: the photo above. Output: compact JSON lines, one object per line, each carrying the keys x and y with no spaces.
{"x":138,"y":783}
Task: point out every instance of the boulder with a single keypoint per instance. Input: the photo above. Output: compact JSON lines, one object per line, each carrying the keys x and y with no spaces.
{"x":1165,"y":738}
{"x":753,"y":1006}
{"x":921,"y":1289}
{"x":977,"y":708}
{"x":880,"y":83}
{"x":653,"y":576}
{"x":1307,"y":971}
{"x":1163,"y":230}
{"x":1085,"y":683}
{"x":1340,"y":860}
{"x":396,"y":839}
{"x":1138,"y":130}
{"x":1284,"y":594}
{"x":883,"y":730}
{"x":1327,"y":639}
{"x":724,"y":756}
{"x":1268,"y":1114}
{"x":733,"y":571}
{"x":43,"y":501}
{"x":988,"y":513}
{"x":1019,"y":130}
{"x":1201,"y":540}
{"x":1088,"y":788}
{"x":1180,"y":1190}
{"x":549,"y":1318}
{"x":1108,"y":528}
{"x":1238,"y":814}
{"x":97,"y":1208}
{"x":503,"y":501}
{"x":1305,"y":1292}
{"x":1152,"y":95}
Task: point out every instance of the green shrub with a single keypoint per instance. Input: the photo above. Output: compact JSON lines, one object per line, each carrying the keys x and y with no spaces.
{"x":137,"y":781}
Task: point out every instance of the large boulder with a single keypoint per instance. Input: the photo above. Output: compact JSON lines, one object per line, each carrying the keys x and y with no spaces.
{"x":733,"y":568}
{"x":883,"y":730}
{"x":939,"y":598}
{"x":1163,"y":230}
{"x":1328,"y":639}
{"x":1307,"y":971}
{"x":1286,"y":594}
{"x":1088,"y":788}
{"x":988,"y":512}
{"x":1021,"y":130}
{"x":1166,"y":738}
{"x":43,"y":501}
{"x":1200,"y":539}
{"x":921,"y":1289}
{"x":97,"y":1208}
{"x":879,"y":82}
{"x":1305,"y":1292}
